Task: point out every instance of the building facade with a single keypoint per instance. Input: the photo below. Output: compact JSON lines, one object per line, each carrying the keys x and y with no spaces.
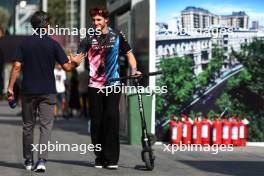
{"x":171,"y":42}
{"x":197,"y":47}
{"x":193,"y":17}
{"x":233,"y":40}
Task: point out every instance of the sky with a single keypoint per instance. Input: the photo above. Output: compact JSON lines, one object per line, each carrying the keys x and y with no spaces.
{"x":165,"y":9}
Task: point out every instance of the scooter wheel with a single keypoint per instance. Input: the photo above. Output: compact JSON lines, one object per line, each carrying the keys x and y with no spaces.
{"x":149,"y":160}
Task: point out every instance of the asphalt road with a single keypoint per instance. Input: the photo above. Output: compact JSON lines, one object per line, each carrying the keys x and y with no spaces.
{"x":240,"y":162}
{"x":208,"y":101}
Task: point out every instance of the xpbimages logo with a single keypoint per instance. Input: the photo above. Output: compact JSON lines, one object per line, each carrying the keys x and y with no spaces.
{"x":58,"y":147}
{"x":214,"y":149}
{"x":82,"y":32}
{"x":128,"y":89}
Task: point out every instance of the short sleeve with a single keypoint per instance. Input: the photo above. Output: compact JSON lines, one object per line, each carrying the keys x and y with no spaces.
{"x":84,"y":46}
{"x":61,"y":57}
{"x":124,"y":46}
{"x":18,"y":55}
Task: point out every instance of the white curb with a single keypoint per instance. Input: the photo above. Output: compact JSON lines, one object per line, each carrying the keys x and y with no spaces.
{"x":255,"y":144}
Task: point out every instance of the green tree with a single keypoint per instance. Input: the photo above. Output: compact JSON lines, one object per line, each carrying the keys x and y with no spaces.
{"x":4,"y":18}
{"x":57,"y":12}
{"x":212,"y":71}
{"x":182,"y":83}
{"x":244,"y":94}
{"x":179,"y":78}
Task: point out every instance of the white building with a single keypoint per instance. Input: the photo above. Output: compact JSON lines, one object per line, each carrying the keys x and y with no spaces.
{"x":197,"y":47}
{"x":174,"y":24}
{"x":195,"y":17}
{"x":234,"y":40}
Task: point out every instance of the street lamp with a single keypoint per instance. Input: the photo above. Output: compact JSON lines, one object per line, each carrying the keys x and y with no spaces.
{"x":23,"y":3}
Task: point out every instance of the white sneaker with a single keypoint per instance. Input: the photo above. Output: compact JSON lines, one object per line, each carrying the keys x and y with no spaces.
{"x":112,"y":166}
{"x":40,"y":166}
{"x":98,"y":166}
{"x":28,"y":164}
{"x":29,"y":168}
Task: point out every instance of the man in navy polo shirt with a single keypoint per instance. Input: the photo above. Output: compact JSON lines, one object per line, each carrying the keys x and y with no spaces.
{"x":36,"y":56}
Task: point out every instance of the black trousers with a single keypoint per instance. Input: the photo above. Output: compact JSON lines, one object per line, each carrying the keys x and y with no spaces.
{"x":104,"y":112}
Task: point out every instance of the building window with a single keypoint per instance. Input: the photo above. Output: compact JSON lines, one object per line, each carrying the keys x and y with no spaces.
{"x":204,"y":22}
{"x":205,"y":55}
{"x":168,"y":52}
{"x":196,"y":21}
{"x":241,"y":22}
{"x":174,"y":51}
{"x":204,"y":66}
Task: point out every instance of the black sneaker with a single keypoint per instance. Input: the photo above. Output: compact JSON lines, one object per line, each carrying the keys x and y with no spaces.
{"x":40,"y":166}
{"x":28,"y":164}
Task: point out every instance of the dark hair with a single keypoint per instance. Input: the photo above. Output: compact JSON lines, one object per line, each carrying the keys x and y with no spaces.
{"x":101,"y":11}
{"x":39,"y":19}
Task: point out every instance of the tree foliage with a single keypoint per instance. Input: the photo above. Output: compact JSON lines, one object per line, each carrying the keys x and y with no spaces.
{"x":179,"y":78}
{"x":182,"y":83}
{"x":4,"y":18}
{"x":57,"y":12}
{"x":244,"y":94}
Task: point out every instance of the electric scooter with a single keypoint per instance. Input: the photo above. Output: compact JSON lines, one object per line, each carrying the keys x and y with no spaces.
{"x":147,"y":139}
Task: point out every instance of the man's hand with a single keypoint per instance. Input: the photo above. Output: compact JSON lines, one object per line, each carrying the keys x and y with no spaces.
{"x":135,"y":72}
{"x":10,"y":94}
{"x":77,"y":59}
{"x":73,"y":61}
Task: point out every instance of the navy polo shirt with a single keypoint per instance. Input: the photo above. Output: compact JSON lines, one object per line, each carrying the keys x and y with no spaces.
{"x":38,"y":57}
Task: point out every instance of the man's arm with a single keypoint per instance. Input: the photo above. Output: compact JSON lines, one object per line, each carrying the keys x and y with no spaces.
{"x":133,"y":63}
{"x":126,"y":49}
{"x":13,"y":76}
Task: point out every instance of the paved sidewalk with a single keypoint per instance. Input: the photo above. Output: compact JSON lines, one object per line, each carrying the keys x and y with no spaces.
{"x":241,"y":162}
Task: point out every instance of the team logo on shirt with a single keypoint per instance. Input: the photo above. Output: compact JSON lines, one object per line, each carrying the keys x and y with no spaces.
{"x":94,"y":42}
{"x":112,"y":39}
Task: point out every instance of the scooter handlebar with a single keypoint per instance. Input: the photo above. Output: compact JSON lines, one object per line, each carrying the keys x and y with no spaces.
{"x":136,"y":76}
